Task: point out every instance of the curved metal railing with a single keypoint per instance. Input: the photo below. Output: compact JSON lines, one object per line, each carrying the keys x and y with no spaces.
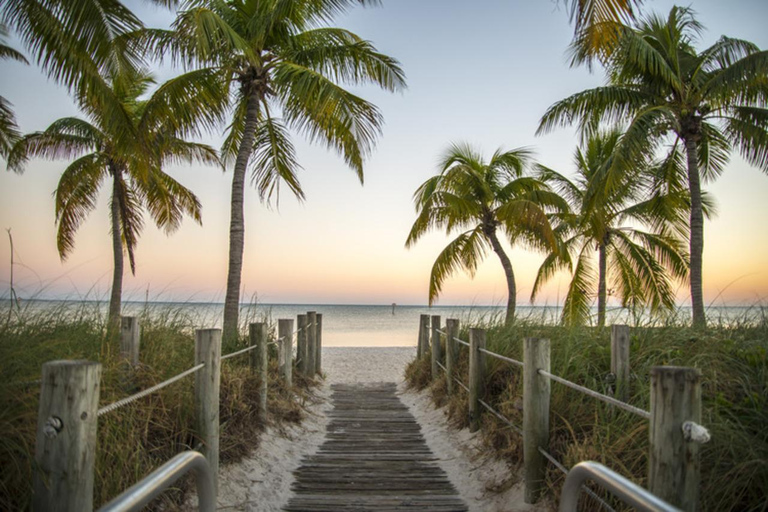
{"x":151,"y":486}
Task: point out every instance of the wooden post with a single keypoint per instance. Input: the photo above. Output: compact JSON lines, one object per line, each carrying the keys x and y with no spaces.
{"x":311,"y":342}
{"x":423,"y":336}
{"x":620,"y":360}
{"x":258,"y":337}
{"x":319,"y":344}
{"x":285,"y":331}
{"x":452,"y":330}
{"x":674,"y":465}
{"x":301,"y":343}
{"x":65,"y":449}
{"x":130,"y":338}
{"x":476,"y":376}
{"x":207,"y":384}
{"x":536,"y":395}
{"x":435,"y":347}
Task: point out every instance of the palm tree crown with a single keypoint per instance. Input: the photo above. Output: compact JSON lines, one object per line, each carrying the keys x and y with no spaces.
{"x":707,"y":102}
{"x":477,"y":199}
{"x":131,"y":155}
{"x":638,"y":263}
{"x":275,"y":66}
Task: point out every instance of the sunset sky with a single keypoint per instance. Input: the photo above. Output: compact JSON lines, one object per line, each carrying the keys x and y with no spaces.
{"x":482,"y":72}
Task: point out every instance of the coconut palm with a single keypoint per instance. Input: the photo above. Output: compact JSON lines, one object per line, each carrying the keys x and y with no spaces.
{"x":477,"y":199}
{"x":132,"y":156}
{"x":638,"y":262}
{"x":269,"y":58}
{"x":9,"y":130}
{"x":708,"y":102}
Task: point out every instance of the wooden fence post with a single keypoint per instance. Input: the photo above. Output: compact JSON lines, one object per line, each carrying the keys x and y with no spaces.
{"x":423,"y":336}
{"x":65,"y":448}
{"x":301,"y":343}
{"x":476,"y":376}
{"x":311,"y":342}
{"x":319,"y":344}
{"x":435,"y":347}
{"x":207,"y":384}
{"x":285,"y":331}
{"x":674,"y":465}
{"x":258,"y":337}
{"x":452,"y":331}
{"x":536,"y":396}
{"x":130,"y":338}
{"x":620,"y":360}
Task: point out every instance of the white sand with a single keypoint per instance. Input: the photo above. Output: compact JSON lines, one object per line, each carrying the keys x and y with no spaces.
{"x":262,"y":481}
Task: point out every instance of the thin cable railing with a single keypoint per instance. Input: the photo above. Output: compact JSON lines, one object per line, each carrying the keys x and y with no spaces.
{"x":465,"y":343}
{"x":501,"y":417}
{"x":594,"y":394}
{"x":127,"y":400}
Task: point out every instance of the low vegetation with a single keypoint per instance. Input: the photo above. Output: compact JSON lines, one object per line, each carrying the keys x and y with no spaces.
{"x":733,"y":360}
{"x":136,"y":439}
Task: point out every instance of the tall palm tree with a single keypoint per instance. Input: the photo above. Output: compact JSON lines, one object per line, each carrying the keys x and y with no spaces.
{"x":9,"y":130}
{"x":264,"y":58}
{"x":707,"y":102}
{"x":478,"y":199}
{"x":128,"y":146}
{"x":638,"y":262}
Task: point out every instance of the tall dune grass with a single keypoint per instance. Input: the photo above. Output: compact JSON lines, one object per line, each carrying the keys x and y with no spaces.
{"x":732,"y":359}
{"x":135,"y":439}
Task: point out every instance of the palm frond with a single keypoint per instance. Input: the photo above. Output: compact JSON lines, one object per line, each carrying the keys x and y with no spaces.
{"x":75,"y":198}
{"x":579,"y":297}
{"x":274,"y":160}
{"x":465,"y":252}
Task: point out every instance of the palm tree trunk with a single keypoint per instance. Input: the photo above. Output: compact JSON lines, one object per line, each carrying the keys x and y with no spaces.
{"x":237,"y":222}
{"x":511,"y":286}
{"x":601,"y":293}
{"x":697,"y":234}
{"x":113,"y":321}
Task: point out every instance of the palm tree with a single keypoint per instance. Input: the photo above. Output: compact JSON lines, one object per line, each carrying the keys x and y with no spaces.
{"x":708,"y":102}
{"x":9,"y":130}
{"x":261,"y":58}
{"x":130,"y":146}
{"x":637,"y":262}
{"x":477,"y":199}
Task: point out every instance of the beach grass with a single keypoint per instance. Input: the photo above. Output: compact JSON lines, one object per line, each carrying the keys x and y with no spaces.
{"x":733,"y":360}
{"x":136,"y":439}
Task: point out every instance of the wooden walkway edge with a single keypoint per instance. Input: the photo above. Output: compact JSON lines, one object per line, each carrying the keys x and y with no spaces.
{"x":374,"y":458}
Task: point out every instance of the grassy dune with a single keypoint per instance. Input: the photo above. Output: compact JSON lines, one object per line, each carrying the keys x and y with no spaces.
{"x":734,"y":365}
{"x":136,"y":439}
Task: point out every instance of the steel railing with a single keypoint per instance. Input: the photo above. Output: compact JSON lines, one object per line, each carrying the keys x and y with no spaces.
{"x":151,"y":486}
{"x":627,"y":491}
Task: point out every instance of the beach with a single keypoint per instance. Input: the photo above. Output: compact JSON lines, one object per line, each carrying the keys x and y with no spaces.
{"x":262,"y":481}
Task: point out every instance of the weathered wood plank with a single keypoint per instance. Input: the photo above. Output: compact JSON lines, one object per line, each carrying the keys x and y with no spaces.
{"x":374,"y":458}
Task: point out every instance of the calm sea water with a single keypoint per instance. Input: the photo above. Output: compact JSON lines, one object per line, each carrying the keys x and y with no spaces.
{"x":376,"y":326}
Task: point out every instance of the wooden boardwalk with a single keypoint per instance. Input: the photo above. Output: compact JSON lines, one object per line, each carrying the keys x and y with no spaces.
{"x":374,"y":458}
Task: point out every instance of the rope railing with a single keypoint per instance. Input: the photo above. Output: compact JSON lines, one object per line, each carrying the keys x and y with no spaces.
{"x":442,"y":367}
{"x":242,"y":351}
{"x":461,"y":384}
{"x":465,"y":343}
{"x":501,"y":417}
{"x":594,"y":394}
{"x":565,"y":471}
{"x":127,"y":400}
{"x":503,"y":358}
{"x":441,"y":332}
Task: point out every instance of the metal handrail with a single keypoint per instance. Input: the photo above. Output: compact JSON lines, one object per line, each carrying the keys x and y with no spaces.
{"x":151,"y":486}
{"x":627,"y":491}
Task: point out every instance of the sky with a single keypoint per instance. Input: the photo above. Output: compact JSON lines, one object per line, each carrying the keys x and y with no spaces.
{"x":482,"y":72}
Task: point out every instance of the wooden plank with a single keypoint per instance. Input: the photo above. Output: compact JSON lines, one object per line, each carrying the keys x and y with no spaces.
{"x":374,"y":458}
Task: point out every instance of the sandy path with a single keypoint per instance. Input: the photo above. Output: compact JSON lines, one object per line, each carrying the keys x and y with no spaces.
{"x":262,"y":481}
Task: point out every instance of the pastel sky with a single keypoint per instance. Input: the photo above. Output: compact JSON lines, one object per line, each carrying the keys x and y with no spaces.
{"x":482,"y":72}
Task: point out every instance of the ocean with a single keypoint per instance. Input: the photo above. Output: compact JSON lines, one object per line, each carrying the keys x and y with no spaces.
{"x":378,"y":325}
